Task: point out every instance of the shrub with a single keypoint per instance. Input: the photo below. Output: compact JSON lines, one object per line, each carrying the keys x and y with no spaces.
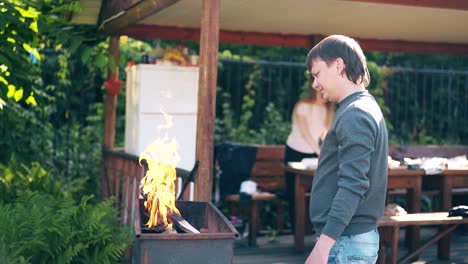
{"x":41,"y":222}
{"x":43,"y":228}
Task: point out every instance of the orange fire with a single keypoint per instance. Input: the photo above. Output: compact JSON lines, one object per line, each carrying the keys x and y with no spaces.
{"x":159,"y":181}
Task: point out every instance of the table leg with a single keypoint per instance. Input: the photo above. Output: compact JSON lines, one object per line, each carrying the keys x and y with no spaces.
{"x":388,"y":248}
{"x":253,"y":223}
{"x":394,"y":244}
{"x":413,"y":232}
{"x":443,"y":247}
{"x":299,"y":230}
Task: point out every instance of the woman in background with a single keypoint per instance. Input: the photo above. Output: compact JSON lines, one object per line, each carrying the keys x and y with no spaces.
{"x":311,"y":118}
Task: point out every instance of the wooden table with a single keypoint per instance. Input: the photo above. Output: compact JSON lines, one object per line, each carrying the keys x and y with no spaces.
{"x":447,"y":180}
{"x":397,"y":179}
{"x":389,"y":226}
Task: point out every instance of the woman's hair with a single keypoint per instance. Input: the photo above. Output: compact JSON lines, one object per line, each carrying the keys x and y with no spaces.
{"x":346,"y":48}
{"x":313,"y":97}
{"x":312,"y":94}
{"x":330,"y":114}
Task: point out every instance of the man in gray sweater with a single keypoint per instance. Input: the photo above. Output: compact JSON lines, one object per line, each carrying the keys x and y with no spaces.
{"x":349,"y":186}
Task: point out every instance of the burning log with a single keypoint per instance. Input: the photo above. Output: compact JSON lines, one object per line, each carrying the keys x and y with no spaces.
{"x":182,"y":224}
{"x":155,"y":230}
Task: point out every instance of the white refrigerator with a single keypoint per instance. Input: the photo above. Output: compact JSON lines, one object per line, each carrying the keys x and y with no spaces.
{"x":152,"y":89}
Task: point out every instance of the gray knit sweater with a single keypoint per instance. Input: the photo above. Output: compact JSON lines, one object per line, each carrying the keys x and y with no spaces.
{"x":349,"y":186}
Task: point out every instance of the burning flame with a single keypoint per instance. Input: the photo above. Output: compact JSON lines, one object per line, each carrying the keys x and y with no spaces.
{"x":159,"y":181}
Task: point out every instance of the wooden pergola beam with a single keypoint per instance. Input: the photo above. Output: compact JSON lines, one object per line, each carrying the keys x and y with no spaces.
{"x":413,"y":47}
{"x":111,"y":22}
{"x":144,"y":31}
{"x":447,"y":4}
{"x":273,"y":39}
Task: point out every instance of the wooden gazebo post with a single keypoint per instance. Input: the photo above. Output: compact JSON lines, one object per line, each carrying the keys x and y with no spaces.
{"x":113,"y":87}
{"x":209,"y":42}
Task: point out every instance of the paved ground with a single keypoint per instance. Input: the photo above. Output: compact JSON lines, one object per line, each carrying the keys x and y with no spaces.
{"x":281,"y":250}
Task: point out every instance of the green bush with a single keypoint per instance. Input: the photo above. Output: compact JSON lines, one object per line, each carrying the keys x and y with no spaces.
{"x":43,"y":228}
{"x":70,"y":152}
{"x":41,"y":222}
{"x":17,"y":178}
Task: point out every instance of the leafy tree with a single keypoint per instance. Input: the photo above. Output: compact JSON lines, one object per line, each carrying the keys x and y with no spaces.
{"x":18,"y":38}
{"x":61,"y":68}
{"x":28,"y":28}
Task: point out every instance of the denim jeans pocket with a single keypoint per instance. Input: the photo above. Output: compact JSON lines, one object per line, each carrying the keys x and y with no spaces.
{"x":362,"y":259}
{"x":362,"y":248}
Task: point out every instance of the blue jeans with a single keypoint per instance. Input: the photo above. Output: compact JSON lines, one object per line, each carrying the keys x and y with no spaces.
{"x":362,"y":248}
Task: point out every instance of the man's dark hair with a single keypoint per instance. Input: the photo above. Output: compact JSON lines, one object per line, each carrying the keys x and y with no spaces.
{"x":346,"y":48}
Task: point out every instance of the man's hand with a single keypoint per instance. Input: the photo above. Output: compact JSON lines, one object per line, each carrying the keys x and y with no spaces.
{"x":321,"y":250}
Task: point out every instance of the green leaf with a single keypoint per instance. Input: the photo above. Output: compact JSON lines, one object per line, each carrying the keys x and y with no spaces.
{"x":74,"y":45}
{"x":18,"y":95}
{"x":86,"y":55}
{"x":100,"y":61}
{"x":5,"y":61}
{"x":3,"y":23}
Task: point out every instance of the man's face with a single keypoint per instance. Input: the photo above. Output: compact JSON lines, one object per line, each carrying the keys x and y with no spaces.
{"x":325,"y":77}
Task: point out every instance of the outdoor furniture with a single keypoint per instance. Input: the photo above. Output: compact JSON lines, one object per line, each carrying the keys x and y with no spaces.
{"x":254,"y":206}
{"x":451,"y":181}
{"x":268,"y":172}
{"x":397,"y":179}
{"x":409,"y":180}
{"x":389,"y":227}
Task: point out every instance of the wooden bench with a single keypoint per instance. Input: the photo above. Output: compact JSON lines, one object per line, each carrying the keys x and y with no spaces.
{"x":389,"y":227}
{"x":268,"y":173}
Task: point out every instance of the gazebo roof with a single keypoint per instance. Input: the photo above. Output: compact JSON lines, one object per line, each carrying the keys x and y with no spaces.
{"x":430,"y":26}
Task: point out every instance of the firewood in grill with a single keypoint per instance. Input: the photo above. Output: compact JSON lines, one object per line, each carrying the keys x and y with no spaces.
{"x":155,"y":230}
{"x":170,"y":231}
{"x":182,"y":224}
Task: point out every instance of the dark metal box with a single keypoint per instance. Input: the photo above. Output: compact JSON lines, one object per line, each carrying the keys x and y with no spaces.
{"x":215,"y":245}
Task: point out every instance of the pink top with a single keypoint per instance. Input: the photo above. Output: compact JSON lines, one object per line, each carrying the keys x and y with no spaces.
{"x":315,"y":116}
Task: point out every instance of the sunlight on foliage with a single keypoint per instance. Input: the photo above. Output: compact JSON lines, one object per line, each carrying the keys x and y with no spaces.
{"x":32,"y":51}
{"x":11,"y":91}
{"x":227,"y":54}
{"x":31,"y":101}
{"x":18,"y":95}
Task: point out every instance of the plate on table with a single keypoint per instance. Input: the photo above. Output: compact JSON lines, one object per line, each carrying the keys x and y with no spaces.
{"x":297,"y":165}
{"x":310,"y":163}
